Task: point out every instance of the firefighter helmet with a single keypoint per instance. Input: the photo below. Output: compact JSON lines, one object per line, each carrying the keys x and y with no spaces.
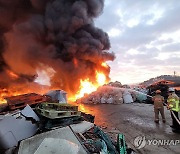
{"x":171,"y":90}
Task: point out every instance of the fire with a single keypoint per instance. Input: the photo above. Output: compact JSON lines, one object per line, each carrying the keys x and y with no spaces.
{"x":7,"y":93}
{"x":101,"y":78}
{"x":2,"y":100}
{"x":104,"y":65}
{"x":87,"y":86}
{"x":12,"y":74}
{"x":3,"y":93}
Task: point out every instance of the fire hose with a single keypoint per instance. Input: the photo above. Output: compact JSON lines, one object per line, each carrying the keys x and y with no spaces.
{"x":173,"y":115}
{"x":167,"y":107}
{"x":171,"y":112}
{"x":164,"y":104}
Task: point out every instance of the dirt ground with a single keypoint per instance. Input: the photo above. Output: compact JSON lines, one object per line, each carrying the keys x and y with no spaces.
{"x":136,"y":120}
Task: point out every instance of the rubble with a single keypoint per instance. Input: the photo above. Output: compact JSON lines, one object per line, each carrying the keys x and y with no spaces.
{"x":88,"y":117}
{"x":3,"y":107}
{"x":55,"y":115}
{"x":55,"y":127}
{"x":31,"y":145}
{"x":96,"y":141}
{"x":140,"y":95}
{"x":157,"y":86}
{"x":56,"y":146}
{"x":82,"y":127}
{"x":55,"y":110}
{"x":15,"y":127}
{"x":57,"y":96}
{"x":20,"y":101}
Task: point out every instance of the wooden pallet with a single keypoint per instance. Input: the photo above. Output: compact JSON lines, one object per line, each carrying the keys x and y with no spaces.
{"x":17,"y":102}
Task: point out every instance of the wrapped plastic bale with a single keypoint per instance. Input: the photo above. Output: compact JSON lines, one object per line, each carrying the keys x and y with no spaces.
{"x":133,"y":94}
{"x":103,"y":100}
{"x":141,"y":95}
{"x":96,"y":99}
{"x":127,"y":97}
{"x":110,"y":100}
{"x":118,"y":100}
{"x":103,"y":95}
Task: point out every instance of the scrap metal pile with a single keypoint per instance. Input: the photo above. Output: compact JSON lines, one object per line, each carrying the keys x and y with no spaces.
{"x":44,"y":126}
{"x":114,"y":93}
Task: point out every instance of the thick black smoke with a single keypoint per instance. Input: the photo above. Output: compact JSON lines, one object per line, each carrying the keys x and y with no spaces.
{"x":53,"y":33}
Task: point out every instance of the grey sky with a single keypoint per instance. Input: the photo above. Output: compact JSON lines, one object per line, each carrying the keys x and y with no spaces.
{"x":145,"y":35}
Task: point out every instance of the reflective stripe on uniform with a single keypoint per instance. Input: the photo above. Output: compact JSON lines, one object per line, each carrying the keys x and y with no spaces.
{"x":174,"y":104}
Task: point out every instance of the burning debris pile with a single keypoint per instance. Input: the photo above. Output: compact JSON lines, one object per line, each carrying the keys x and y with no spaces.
{"x":112,"y":93}
{"x":33,"y":130}
{"x":53,"y":43}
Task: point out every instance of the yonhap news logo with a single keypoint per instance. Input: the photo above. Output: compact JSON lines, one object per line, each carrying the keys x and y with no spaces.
{"x":141,"y":142}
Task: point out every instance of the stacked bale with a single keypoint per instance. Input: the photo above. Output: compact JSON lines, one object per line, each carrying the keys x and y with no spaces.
{"x":104,"y":95}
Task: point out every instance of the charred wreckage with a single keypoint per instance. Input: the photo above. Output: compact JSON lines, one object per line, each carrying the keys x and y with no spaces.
{"x":37,"y":124}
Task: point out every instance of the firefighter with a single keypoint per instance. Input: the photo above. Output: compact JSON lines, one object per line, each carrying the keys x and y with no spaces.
{"x":158,"y":106}
{"x":173,"y":105}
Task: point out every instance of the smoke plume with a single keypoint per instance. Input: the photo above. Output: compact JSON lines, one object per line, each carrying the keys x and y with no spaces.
{"x":56,"y":34}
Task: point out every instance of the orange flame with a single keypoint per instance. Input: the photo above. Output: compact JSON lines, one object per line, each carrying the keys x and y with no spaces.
{"x":104,"y":65}
{"x":87,"y":86}
{"x":5,"y":93}
{"x":12,"y":74}
{"x":101,"y":79}
{"x":2,"y":95}
{"x":2,"y":101}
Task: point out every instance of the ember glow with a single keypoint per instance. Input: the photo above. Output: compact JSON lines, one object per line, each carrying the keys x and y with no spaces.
{"x":87,"y":86}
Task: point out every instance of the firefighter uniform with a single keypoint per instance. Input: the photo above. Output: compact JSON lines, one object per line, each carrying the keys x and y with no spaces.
{"x":158,"y":106}
{"x":173,"y":105}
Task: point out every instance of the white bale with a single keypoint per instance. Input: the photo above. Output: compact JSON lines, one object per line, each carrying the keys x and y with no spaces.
{"x":103,"y":100}
{"x":110,"y":100}
{"x":127,"y":97}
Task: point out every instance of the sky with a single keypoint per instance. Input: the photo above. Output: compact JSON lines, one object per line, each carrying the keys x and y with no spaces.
{"x":145,"y":37}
